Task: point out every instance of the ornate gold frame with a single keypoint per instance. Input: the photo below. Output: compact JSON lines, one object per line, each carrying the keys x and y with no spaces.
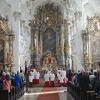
{"x":93,"y":25}
{"x":7,"y":37}
{"x":93,"y":30}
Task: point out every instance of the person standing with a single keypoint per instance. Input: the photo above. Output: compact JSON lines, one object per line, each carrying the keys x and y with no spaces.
{"x":61,"y":80}
{"x":63,"y":72}
{"x":34,"y":76}
{"x":46,"y":78}
{"x":7,"y":84}
{"x":58,"y":75}
{"x":37,"y":77}
{"x":30,"y":79}
{"x":52,"y":78}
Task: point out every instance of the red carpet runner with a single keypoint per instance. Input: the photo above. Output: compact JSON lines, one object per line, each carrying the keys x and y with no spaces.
{"x":51,"y":96}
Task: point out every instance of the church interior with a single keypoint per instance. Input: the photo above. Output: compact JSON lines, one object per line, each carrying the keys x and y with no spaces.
{"x":48,"y":37}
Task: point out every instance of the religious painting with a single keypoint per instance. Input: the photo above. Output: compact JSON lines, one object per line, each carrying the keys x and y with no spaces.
{"x":49,"y":40}
{"x":1,"y":51}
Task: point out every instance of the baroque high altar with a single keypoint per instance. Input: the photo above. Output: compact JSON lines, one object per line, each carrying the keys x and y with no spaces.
{"x":48,"y":36}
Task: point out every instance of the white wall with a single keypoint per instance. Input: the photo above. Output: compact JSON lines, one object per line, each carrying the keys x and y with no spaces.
{"x":19,"y":13}
{"x":13,"y":9}
{"x":90,"y":9}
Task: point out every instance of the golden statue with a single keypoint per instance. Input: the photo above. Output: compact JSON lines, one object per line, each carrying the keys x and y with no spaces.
{"x":9,"y":58}
{"x":49,"y":61}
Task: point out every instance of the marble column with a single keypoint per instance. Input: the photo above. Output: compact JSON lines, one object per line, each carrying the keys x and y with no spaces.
{"x":6,"y":48}
{"x":41,"y":44}
{"x":32,"y":48}
{"x":40,"y":40}
{"x":40,"y":47}
{"x":62,"y":48}
{"x":37,"y":48}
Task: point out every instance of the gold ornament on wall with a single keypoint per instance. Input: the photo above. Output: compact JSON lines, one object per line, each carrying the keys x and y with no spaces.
{"x":86,"y":58}
{"x":93,"y":25}
{"x":50,"y":23}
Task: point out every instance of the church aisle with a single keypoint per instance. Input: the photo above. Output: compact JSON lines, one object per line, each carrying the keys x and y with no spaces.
{"x":49,"y":95}
{"x":57,"y":93}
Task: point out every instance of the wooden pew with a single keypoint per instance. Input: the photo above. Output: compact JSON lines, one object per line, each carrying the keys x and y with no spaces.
{"x":91,"y":95}
{"x":4,"y":95}
{"x":82,"y":94}
{"x":97,"y":97}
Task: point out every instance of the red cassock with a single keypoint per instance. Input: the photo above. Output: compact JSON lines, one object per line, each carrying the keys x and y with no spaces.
{"x":37,"y":81}
{"x":71,"y":76}
{"x":46,"y":84}
{"x":61,"y":84}
{"x":52,"y":84}
{"x":30,"y":84}
{"x":65,"y":82}
{"x":58,"y":81}
{"x":34,"y":81}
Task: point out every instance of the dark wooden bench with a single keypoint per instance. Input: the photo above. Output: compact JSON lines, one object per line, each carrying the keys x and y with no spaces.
{"x":82,"y":94}
{"x":4,"y":95}
{"x":97,"y":97}
{"x":91,"y":95}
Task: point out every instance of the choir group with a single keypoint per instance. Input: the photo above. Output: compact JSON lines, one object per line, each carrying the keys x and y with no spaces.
{"x":49,"y":76}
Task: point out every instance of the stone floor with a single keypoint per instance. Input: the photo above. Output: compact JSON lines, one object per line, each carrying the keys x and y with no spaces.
{"x":40,"y":93}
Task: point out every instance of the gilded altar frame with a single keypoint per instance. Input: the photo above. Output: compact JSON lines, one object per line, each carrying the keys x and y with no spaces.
{"x":6,"y":43}
{"x":49,"y":34}
{"x":93,"y":30}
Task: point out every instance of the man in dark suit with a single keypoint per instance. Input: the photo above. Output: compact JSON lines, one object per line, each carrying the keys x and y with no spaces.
{"x":84,"y":81}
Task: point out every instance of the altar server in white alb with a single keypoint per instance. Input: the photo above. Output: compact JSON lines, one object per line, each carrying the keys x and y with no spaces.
{"x":52,"y":79}
{"x":46,"y":78}
{"x":37,"y":77}
{"x":58,"y":76}
{"x":63,"y":72}
{"x":61,"y":80}
{"x":34,"y":76}
{"x":49,"y":72}
{"x":30,"y":79}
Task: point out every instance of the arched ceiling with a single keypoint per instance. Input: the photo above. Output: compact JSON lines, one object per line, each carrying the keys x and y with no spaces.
{"x":63,"y":4}
{"x":38,"y":3}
